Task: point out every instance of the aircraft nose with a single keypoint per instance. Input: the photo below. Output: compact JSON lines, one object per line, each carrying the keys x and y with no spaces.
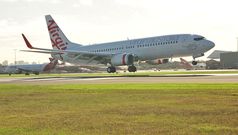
{"x":211,"y":44}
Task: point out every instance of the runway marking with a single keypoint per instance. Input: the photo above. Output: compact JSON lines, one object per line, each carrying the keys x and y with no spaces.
{"x":127,"y":79}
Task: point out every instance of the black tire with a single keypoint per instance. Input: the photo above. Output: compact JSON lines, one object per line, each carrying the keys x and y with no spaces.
{"x":111,"y":69}
{"x":194,"y":62}
{"x":132,"y":69}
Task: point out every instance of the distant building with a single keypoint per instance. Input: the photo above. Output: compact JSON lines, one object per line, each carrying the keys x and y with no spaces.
{"x":229,"y":60}
{"x":216,"y":54}
{"x":213,"y":64}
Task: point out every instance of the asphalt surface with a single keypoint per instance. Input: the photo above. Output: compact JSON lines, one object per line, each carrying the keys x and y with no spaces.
{"x":204,"y":78}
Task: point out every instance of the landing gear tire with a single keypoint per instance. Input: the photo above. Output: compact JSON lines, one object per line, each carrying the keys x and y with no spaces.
{"x":194,"y":62}
{"x":132,"y":68}
{"x":111,"y":69}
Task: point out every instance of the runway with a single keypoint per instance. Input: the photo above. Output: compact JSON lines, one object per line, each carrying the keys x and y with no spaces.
{"x":201,"y":78}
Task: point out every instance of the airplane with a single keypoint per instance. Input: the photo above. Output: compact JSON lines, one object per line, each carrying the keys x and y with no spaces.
{"x":31,"y":68}
{"x":121,"y":53}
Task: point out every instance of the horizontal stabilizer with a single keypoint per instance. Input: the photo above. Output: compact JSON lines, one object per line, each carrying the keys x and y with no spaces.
{"x":47,"y":52}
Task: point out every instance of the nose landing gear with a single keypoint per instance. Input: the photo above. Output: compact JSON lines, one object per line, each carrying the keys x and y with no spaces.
{"x":194,"y":62}
{"x":196,"y":56}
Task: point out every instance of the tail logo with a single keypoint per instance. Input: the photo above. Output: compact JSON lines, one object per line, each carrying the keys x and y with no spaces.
{"x":55,"y":38}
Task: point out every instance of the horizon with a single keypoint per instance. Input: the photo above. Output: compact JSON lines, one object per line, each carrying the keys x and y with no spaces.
{"x":92,"y":21}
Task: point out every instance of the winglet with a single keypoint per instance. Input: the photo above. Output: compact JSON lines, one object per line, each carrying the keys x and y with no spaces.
{"x":27,"y":42}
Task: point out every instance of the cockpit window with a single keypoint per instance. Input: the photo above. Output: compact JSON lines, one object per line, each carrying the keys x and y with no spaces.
{"x":198,"y":38}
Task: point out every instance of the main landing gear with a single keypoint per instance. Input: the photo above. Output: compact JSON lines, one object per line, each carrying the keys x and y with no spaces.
{"x":194,"y":62}
{"x":111,"y":69}
{"x":132,"y":68}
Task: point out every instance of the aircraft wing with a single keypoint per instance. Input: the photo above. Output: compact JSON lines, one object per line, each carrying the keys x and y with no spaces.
{"x":90,"y":56}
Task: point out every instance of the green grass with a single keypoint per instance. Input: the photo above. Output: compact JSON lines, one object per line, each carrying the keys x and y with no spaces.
{"x":119,"y":109}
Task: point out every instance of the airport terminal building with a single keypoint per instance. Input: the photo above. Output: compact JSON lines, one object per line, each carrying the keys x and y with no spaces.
{"x":229,"y":60}
{"x":223,"y":60}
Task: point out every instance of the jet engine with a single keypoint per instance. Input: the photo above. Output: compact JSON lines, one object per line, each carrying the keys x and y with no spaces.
{"x":122,"y":59}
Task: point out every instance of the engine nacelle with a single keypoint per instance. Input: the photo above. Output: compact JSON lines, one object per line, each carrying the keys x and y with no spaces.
{"x":122,"y":59}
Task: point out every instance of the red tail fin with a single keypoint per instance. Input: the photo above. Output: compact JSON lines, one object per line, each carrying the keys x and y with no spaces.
{"x":58,"y":39}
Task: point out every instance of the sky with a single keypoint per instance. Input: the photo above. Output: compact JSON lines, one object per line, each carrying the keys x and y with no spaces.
{"x":97,"y":21}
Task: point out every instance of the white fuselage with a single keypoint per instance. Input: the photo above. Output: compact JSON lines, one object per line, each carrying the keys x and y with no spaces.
{"x":148,"y":48}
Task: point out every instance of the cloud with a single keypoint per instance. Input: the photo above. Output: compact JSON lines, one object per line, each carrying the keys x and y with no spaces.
{"x":48,"y":1}
{"x":8,"y":0}
{"x":80,"y":3}
{"x":10,"y":38}
{"x":3,"y":23}
{"x":33,"y":1}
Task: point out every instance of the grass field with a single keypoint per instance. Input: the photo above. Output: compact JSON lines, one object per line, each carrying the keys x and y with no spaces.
{"x":119,"y":109}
